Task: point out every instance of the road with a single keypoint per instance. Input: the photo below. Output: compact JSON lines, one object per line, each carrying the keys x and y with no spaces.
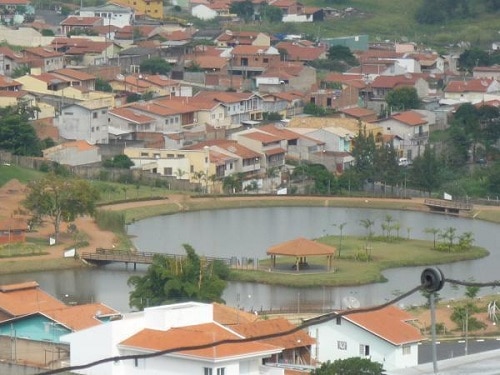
{"x":455,"y":348}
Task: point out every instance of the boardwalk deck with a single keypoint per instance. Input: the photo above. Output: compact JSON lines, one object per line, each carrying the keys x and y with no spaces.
{"x":448,"y":207}
{"x":106,"y":256}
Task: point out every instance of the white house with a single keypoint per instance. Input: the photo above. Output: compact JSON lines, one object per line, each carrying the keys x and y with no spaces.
{"x":203,"y":12}
{"x":112,"y":14}
{"x":84,"y":121}
{"x":166,"y":328}
{"x":73,"y":153}
{"x":385,"y":336}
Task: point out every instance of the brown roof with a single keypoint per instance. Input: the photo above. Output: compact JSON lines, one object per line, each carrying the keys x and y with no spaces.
{"x":229,"y":316}
{"x":299,"y":52}
{"x":75,"y":74}
{"x":43,"y":52}
{"x":156,"y":340}
{"x":81,"y":21}
{"x":13,"y":224}
{"x":266,"y":327}
{"x":228,"y":145}
{"x":8,"y":82}
{"x":301,"y":247}
{"x":261,"y":137}
{"x":390,"y":324}
{"x":81,"y":316}
{"x":410,"y":118}
{"x":129,"y":115}
{"x":395,"y":81}
{"x":474,"y":85}
{"x":26,"y":298}
{"x":210,"y":62}
{"x":358,"y":112}
{"x":280,"y":132}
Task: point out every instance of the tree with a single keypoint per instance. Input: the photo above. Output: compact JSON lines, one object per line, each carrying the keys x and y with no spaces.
{"x":314,"y":110}
{"x":271,"y":13}
{"x":174,"y":279}
{"x":16,"y":133}
{"x":243,"y":9}
{"x":350,"y":366}
{"x":364,"y":154}
{"x":403,"y":98}
{"x":102,"y":85}
{"x":155,"y":65}
{"x":434,"y":232}
{"x":20,"y":71}
{"x":471,"y":58}
{"x":119,"y":161}
{"x":60,"y":199}
{"x":426,"y":171}
{"x":342,"y":54}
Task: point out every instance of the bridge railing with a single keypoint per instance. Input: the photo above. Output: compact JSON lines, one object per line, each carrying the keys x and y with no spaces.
{"x":448,"y":204}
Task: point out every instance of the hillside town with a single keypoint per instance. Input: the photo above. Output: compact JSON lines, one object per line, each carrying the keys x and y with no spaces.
{"x":222,"y":111}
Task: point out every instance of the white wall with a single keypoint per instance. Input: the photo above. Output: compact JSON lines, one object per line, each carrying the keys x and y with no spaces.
{"x":329,"y":334}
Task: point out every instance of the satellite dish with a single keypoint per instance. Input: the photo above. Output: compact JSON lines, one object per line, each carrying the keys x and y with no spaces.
{"x":351,"y":302}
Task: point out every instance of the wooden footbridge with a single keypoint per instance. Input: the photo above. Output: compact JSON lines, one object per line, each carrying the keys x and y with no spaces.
{"x":106,"y":256}
{"x":447,"y":207}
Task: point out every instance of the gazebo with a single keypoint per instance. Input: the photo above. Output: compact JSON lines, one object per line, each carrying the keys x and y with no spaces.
{"x":301,"y":248}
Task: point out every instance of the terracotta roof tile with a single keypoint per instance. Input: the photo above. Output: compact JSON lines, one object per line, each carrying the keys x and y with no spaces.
{"x":156,"y":340}
{"x":75,"y":74}
{"x":270,"y":326}
{"x":81,"y":21}
{"x":390,"y":324}
{"x":131,"y":116}
{"x":229,"y":316}
{"x":261,"y":136}
{"x":43,"y":52}
{"x":301,"y":247}
{"x":410,"y":118}
{"x":358,"y":112}
{"x":81,"y":316}
{"x":26,"y":298}
{"x":8,"y":82}
{"x":474,"y":85}
{"x":301,"y":53}
{"x":279,"y":131}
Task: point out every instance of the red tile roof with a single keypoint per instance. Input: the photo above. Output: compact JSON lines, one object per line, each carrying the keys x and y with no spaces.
{"x":358,"y":112}
{"x":210,"y":62}
{"x":75,"y":74}
{"x":81,"y":316}
{"x":267,"y":327}
{"x":130,"y":115}
{"x":390,"y":324}
{"x":43,"y":52}
{"x":394,"y":81}
{"x":201,"y":334}
{"x":228,"y":145}
{"x":410,"y":118}
{"x":229,"y":316}
{"x":223,"y":96}
{"x":301,"y":53}
{"x":26,"y":298}
{"x":265,"y":138}
{"x":474,"y":85}
{"x":280,"y":132}
{"x":8,"y":82}
{"x":301,"y":247}
{"x":81,"y":21}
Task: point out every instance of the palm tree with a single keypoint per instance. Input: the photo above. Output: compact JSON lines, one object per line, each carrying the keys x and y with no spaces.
{"x":434,"y":232}
{"x":341,"y":227}
{"x":179,"y":173}
{"x":449,"y":236}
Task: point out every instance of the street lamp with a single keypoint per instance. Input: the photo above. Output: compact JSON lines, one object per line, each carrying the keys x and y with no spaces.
{"x":206,"y":149}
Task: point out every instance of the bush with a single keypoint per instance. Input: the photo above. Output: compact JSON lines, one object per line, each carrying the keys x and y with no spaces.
{"x":110,"y":220}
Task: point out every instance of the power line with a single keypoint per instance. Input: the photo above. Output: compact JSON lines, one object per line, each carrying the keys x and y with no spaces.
{"x":492,"y":284}
{"x":321,"y":319}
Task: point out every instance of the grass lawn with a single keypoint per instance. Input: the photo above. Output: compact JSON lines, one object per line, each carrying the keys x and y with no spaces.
{"x":352,"y":268}
{"x":8,"y":172}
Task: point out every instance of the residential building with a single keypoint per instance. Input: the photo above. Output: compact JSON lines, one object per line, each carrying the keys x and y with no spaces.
{"x":249,"y":60}
{"x":474,"y":90}
{"x":73,"y":153}
{"x":33,"y":322}
{"x":241,"y":107}
{"x":363,"y":114}
{"x":286,"y":77}
{"x":145,"y":8}
{"x":160,"y":330}
{"x":491,"y":72}
{"x":9,"y":84}
{"x":181,"y":164}
{"x":85,"y":52}
{"x":9,"y":61}
{"x":273,"y":148}
{"x":86,"y":121}
{"x":112,"y":14}
{"x":13,"y":230}
{"x":287,"y":104}
{"x":232,"y":38}
{"x":77,"y":78}
{"x":301,"y":51}
{"x":44,"y":58}
{"x":412,"y":127}
{"x":77,"y":23}
{"x":386,"y":336}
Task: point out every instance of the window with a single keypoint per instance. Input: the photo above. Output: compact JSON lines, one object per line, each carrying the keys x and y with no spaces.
{"x":406,"y":349}
{"x":207,"y":371}
{"x":341,"y":345}
{"x":265,"y":60}
{"x":221,"y":371}
{"x":168,"y":172}
{"x":144,"y":154}
{"x":94,"y":114}
{"x":338,"y":320}
{"x":92,"y":129}
{"x":191,"y":169}
{"x":103,"y":111}
{"x":364,"y":350}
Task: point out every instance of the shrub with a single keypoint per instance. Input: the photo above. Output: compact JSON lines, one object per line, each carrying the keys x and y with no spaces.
{"x":110,"y":220}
